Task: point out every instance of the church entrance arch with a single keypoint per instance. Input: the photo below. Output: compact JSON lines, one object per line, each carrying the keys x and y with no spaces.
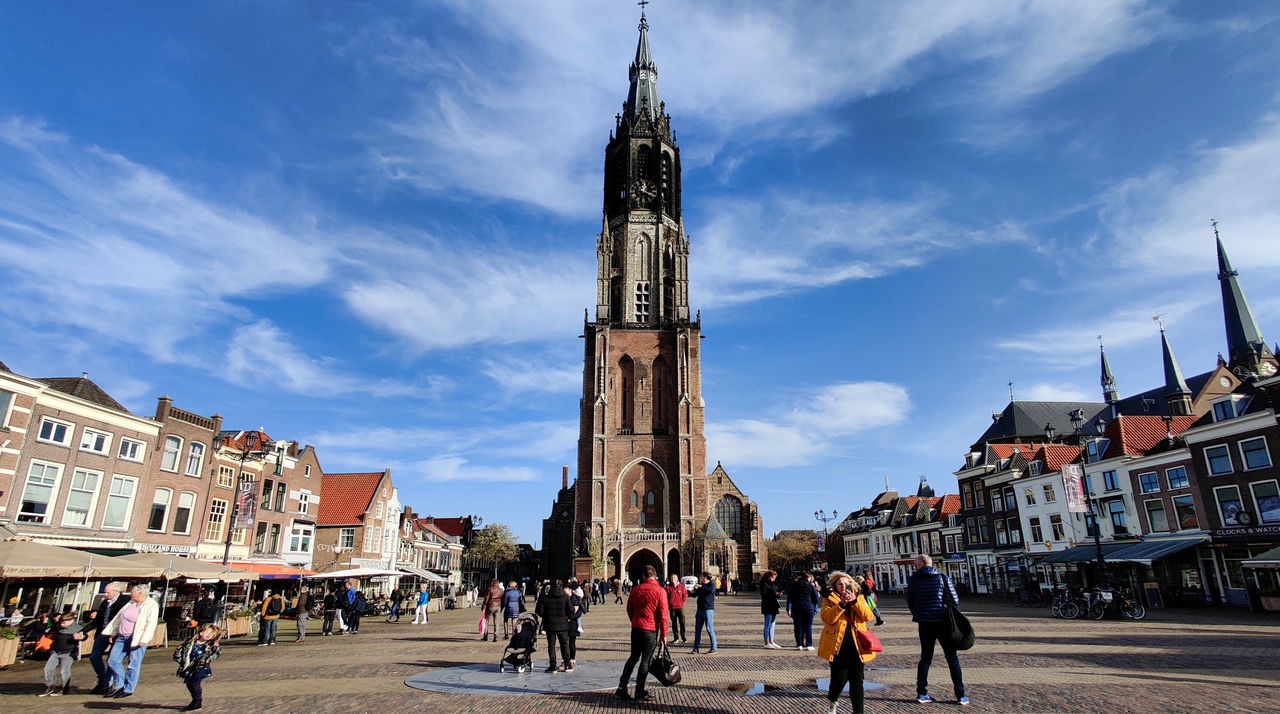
{"x":639,"y":559}
{"x":615,"y":564}
{"x":673,"y":562}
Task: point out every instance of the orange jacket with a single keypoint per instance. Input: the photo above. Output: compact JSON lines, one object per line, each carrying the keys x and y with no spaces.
{"x":837,"y":621}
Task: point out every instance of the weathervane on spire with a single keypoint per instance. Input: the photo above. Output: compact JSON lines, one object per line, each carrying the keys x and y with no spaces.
{"x":1212,"y":221}
{"x":1159,"y":318}
{"x":1011,"y":391}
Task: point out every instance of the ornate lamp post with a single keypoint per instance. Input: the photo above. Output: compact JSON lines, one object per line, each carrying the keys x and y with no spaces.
{"x":250,"y":444}
{"x":821,"y":515}
{"x":1104,"y":575}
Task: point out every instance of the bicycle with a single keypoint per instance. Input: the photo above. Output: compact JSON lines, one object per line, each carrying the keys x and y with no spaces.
{"x":1063,"y":606}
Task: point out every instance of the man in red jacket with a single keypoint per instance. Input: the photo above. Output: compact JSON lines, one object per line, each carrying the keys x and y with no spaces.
{"x":676,"y":597}
{"x":647,"y":608}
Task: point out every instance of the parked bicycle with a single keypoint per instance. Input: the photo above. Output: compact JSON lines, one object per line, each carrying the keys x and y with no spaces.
{"x":1064,"y":605}
{"x":1027,"y":597}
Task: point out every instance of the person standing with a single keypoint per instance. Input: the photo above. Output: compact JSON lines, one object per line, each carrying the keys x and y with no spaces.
{"x":131,"y":631}
{"x":706,"y":613}
{"x":206,"y":610}
{"x":112,"y":603}
{"x":194,"y":658}
{"x":492,"y":606}
{"x":616,"y":585}
{"x":769,"y":607}
{"x":578,"y":603}
{"x":303,"y":612}
{"x":66,"y":640}
{"x":927,"y":594}
{"x":802,"y":605}
{"x":647,"y":609}
{"x":271,"y":610}
{"x":420,"y":605}
{"x":677,"y":595}
{"x":356,"y":604}
{"x":868,"y":588}
{"x":844,"y":611}
{"x":330,"y":611}
{"x":556,"y":612}
{"x":397,"y":597}
{"x":512,"y":606}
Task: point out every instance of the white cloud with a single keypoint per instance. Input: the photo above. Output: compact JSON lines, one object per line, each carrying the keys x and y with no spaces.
{"x":1047,"y":392}
{"x":451,"y":467}
{"x":810,"y":428}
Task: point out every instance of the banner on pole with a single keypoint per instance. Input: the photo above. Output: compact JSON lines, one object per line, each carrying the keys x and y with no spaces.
{"x":1073,"y":483}
{"x":247,"y":505}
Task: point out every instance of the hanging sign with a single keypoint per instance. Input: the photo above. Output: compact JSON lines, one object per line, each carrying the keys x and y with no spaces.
{"x":1073,"y":483}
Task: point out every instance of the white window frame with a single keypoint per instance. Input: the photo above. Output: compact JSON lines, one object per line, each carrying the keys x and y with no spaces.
{"x":1146,"y":505}
{"x":1143,"y":487}
{"x":191,"y":511}
{"x":66,"y":437}
{"x":306,"y":470}
{"x":195,"y":450}
{"x":105,"y":437}
{"x":131,"y":449}
{"x":53,"y":491}
{"x":1050,"y":495}
{"x":168,"y":504}
{"x":1217,"y":501}
{"x":304,"y":501}
{"x":1208,"y":460}
{"x":220,"y":521}
{"x":1257,"y":507}
{"x":1265,"y":450}
{"x":128,"y":512}
{"x":226,"y":474}
{"x":177,"y":453}
{"x":1186,"y":480}
{"x":7,"y":399}
{"x":93,"y":498}
{"x":1230,"y":405}
{"x":1029,"y":495}
{"x":349,"y":536}
{"x":300,"y":533}
{"x":1176,"y":523}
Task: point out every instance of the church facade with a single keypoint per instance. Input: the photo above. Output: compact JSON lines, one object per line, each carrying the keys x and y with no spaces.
{"x":643,"y":495}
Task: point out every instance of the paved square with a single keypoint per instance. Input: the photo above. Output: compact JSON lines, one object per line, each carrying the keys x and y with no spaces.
{"x":1025,"y":661}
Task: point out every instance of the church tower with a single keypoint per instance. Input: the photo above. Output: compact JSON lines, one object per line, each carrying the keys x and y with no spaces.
{"x":642,"y":479}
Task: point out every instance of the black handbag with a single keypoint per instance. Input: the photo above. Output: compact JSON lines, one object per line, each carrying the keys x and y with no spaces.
{"x":663,"y":668}
{"x":960,"y":633}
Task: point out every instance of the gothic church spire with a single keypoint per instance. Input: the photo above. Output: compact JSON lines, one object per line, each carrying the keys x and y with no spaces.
{"x":643,"y":95}
{"x":1109,"y":391}
{"x":1245,"y":344}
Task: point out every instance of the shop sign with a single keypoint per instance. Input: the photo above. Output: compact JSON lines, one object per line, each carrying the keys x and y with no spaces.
{"x":955,"y":556}
{"x":163,"y":548}
{"x":1246,"y":531}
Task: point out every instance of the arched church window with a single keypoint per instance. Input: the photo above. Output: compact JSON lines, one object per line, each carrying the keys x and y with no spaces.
{"x":642,"y":162}
{"x":729,"y":514}
{"x":642,"y":302}
{"x":649,"y":498}
{"x":635,"y":499}
{"x":626,"y":422}
{"x":668,"y":201}
{"x":641,"y":518}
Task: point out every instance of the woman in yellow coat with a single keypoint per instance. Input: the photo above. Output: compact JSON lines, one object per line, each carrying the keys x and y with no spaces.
{"x":844,"y":610}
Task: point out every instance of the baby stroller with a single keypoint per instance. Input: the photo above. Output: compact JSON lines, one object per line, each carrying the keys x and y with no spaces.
{"x":523,"y":643}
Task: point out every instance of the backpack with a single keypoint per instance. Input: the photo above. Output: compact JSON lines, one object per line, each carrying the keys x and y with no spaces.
{"x":275,"y":606}
{"x":360,"y":603}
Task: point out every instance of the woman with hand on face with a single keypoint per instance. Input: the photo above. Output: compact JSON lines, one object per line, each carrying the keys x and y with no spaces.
{"x":844,"y":611}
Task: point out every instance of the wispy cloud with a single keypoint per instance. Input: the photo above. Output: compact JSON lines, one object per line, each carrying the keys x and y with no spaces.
{"x":808,"y":429}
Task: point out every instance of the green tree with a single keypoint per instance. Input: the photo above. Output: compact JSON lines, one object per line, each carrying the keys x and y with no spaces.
{"x":791,"y":551}
{"x":495,"y":544}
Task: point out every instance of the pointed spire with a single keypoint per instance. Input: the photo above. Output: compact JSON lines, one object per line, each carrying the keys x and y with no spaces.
{"x":1175,"y":387}
{"x":1244,"y":339}
{"x":642,"y":99}
{"x":1109,"y":391}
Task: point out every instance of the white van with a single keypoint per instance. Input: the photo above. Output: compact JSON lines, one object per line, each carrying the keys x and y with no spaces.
{"x":689,"y":582}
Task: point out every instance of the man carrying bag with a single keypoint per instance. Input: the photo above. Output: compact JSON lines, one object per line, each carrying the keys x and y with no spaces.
{"x":930,"y":594}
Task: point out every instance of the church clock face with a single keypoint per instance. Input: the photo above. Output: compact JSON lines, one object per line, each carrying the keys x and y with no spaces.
{"x":644,"y":192}
{"x":1266,"y":369}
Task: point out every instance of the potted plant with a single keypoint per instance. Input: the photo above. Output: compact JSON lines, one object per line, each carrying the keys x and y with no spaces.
{"x":238,"y":622}
{"x":8,"y":646}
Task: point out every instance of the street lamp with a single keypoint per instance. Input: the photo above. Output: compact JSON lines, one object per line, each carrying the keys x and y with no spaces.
{"x":250,"y":443}
{"x":821,"y":515}
{"x":1104,"y":575}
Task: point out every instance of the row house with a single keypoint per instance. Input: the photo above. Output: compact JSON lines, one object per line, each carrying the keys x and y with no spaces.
{"x":182,"y":474}
{"x":884,"y":538}
{"x":358,"y":522}
{"x":428,"y":551}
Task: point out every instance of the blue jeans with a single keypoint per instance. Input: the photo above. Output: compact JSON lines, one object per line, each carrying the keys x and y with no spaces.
{"x":267,"y":632}
{"x":101,"y":648}
{"x":395,"y":611}
{"x":769,"y":621}
{"x":704,"y":618}
{"x":802,"y":618}
{"x":122,"y":678}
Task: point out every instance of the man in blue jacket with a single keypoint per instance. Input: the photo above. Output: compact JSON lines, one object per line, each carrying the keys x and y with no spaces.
{"x":928,"y":592}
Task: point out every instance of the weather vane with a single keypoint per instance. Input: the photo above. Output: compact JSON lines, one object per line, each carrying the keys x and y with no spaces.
{"x":642,"y":3}
{"x":1159,"y":317}
{"x":1214,"y":222}
{"x":1011,"y":391}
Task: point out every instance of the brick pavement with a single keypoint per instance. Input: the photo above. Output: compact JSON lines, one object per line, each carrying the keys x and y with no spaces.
{"x":1025,"y":661}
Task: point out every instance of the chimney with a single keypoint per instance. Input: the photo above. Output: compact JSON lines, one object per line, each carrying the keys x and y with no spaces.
{"x":564,"y":478}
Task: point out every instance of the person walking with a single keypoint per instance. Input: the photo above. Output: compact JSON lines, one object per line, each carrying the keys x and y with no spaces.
{"x":66,"y":636}
{"x":271,"y":610}
{"x":705,"y":616}
{"x":131,"y":631}
{"x":647,"y":608}
{"x":927,"y":593}
{"x":330,"y":611}
{"x":556,"y":612}
{"x":397,"y":597}
{"x":492,"y":606}
{"x":512,"y":606}
{"x":802,"y":605}
{"x":420,"y":605}
{"x":616,"y":585}
{"x":578,"y":601}
{"x":769,"y":607}
{"x":194,"y":658}
{"x":356,"y":605}
{"x":843,"y":611}
{"x":868,"y":588}
{"x":677,"y":595}
{"x":112,"y":603}
{"x":302,"y":612}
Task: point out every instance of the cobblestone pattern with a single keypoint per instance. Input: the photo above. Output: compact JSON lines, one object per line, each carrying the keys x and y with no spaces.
{"x":1025,"y":661}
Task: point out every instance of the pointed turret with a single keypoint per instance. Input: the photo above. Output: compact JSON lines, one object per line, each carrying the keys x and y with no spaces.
{"x":1246,"y":348}
{"x":925,"y":490}
{"x":1109,"y":391}
{"x":643,"y":96}
{"x":1175,"y":387}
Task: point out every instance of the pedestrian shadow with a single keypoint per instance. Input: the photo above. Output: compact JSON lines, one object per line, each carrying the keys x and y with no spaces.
{"x":117,"y":705}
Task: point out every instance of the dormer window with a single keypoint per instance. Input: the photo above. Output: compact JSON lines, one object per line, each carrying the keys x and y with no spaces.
{"x":1035,"y":468}
{"x":1223,"y":410}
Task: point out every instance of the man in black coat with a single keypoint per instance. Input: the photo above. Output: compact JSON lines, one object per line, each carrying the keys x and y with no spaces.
{"x":206,"y":610}
{"x":112,"y":603}
{"x":928,"y":594}
{"x":556,"y":612}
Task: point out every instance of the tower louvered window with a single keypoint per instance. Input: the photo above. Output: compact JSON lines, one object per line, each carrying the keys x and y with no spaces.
{"x":642,"y":302}
{"x":668,"y":200}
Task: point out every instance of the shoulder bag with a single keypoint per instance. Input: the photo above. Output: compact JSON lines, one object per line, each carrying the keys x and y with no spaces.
{"x":664,"y":668}
{"x":960,"y":633}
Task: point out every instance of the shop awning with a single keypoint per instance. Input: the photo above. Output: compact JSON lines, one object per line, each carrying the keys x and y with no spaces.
{"x":1269,"y":560}
{"x":1154,"y":549}
{"x":190,"y":568}
{"x":424,"y":574}
{"x":355,"y":573}
{"x":1082,"y":553}
{"x":28,"y":559}
{"x":273,"y":571}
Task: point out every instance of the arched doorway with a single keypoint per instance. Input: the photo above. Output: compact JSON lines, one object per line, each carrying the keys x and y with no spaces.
{"x":615,"y":566}
{"x":639,"y":559}
{"x":673,"y":562}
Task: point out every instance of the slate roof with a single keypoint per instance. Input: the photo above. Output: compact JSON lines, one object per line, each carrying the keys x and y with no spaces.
{"x":1152,"y":401}
{"x":346,"y":498}
{"x":85,"y":389}
{"x":1027,"y":419}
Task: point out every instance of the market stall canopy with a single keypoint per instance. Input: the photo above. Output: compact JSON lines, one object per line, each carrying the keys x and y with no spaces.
{"x":177,"y":567}
{"x":1269,"y":560}
{"x":356,"y":573}
{"x":424,"y":574}
{"x":28,"y":559}
{"x":1154,"y":549}
{"x":273,"y":571}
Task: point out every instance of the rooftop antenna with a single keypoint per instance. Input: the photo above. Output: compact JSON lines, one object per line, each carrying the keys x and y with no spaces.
{"x":1010,"y":391}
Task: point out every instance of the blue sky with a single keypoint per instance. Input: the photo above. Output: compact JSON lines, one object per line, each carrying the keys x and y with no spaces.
{"x":370,"y":226}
